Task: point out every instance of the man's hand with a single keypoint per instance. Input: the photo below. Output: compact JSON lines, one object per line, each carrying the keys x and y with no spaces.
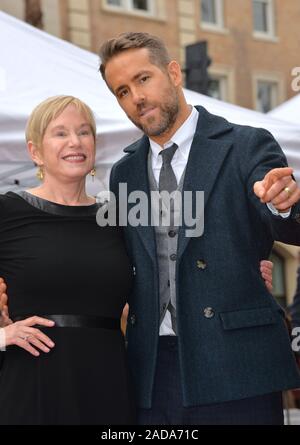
{"x":266,"y":269}
{"x":4,"y":315}
{"x":279,"y":188}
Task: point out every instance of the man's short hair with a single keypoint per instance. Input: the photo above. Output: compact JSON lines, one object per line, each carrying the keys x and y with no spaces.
{"x":158,"y":53}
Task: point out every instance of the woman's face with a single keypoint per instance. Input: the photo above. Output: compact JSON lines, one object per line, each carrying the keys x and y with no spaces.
{"x":68,"y":146}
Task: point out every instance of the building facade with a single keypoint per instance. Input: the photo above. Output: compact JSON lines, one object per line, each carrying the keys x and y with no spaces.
{"x":254,"y":46}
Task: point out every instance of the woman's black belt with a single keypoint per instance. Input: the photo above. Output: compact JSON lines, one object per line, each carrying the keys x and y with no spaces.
{"x":78,"y":321}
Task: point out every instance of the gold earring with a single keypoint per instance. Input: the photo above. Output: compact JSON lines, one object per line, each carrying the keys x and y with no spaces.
{"x":93,"y":173}
{"x":40,"y":173}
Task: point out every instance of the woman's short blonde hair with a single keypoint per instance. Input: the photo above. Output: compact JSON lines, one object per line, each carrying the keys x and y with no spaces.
{"x":50,"y":109}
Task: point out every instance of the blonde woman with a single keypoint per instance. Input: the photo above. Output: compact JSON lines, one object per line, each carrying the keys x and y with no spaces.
{"x":68,"y":281}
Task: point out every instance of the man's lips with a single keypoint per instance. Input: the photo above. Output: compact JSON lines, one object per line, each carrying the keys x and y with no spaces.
{"x":147,"y":111}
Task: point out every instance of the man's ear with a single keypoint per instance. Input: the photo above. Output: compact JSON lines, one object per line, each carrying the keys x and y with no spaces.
{"x":175,"y":73}
{"x":35,"y":153}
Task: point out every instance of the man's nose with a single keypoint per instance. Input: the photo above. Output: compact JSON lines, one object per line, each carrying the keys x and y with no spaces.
{"x":138,"y":97}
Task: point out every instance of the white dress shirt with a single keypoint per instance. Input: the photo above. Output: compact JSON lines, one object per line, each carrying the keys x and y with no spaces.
{"x":183,"y":138}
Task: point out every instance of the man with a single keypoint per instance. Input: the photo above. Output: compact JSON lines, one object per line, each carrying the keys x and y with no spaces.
{"x":231,"y":356}
{"x":206,"y":342}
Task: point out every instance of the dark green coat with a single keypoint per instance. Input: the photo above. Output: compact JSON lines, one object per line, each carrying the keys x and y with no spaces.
{"x":233,"y":343}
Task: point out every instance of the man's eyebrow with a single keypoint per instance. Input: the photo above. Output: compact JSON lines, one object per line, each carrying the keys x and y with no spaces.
{"x":133,"y":79}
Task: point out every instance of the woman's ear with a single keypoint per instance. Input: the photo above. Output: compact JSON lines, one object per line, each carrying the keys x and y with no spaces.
{"x":175,"y":73}
{"x":35,"y":153}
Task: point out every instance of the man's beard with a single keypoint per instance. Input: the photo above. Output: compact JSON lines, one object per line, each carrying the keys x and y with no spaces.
{"x":168,"y":115}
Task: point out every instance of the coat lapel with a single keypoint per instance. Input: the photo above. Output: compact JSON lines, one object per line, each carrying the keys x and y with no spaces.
{"x":208,"y":152}
{"x":138,"y":181}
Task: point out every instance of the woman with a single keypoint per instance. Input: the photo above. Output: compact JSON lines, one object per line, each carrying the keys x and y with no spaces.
{"x":68,"y":280}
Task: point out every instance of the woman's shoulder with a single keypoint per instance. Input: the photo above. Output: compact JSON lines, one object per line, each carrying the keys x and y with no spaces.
{"x":8,"y":197}
{"x":9,"y":200}
{"x":5,"y":198}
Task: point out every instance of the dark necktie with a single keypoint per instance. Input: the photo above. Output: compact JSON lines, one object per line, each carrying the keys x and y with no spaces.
{"x":168,"y":183}
{"x":167,"y":178}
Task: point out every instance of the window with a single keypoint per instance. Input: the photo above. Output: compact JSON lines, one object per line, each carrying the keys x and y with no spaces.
{"x":132,"y":5}
{"x":208,"y":10}
{"x":279,"y":290}
{"x":263,"y":18}
{"x":212,"y":13}
{"x":142,"y":5}
{"x":218,"y":87}
{"x":33,"y":13}
{"x":266,"y":95}
{"x":114,"y":3}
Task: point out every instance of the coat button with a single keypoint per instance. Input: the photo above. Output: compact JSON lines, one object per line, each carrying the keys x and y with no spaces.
{"x":201,"y":264}
{"x":209,"y":312}
{"x":133,"y":319}
{"x":172,"y":234}
{"x":173,"y":257}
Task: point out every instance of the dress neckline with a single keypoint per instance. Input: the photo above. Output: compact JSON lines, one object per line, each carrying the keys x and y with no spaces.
{"x":54,"y":208}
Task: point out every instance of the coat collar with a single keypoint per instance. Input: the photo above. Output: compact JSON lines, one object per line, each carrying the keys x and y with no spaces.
{"x":209,"y":126}
{"x":211,"y":144}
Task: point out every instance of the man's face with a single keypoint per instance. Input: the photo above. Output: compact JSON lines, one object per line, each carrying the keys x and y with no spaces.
{"x":146,"y":93}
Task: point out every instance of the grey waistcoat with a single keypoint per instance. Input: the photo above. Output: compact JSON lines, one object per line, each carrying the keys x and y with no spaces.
{"x":166,"y":247}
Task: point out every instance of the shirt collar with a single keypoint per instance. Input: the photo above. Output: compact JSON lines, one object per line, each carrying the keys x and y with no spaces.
{"x":183,"y":137}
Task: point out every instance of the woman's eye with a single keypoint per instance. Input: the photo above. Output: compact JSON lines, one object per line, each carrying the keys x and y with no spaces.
{"x":144,"y":79}
{"x":61,"y":134}
{"x":85,"y":133}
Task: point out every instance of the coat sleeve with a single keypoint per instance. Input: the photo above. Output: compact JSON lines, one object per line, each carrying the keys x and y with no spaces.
{"x":264,"y":154}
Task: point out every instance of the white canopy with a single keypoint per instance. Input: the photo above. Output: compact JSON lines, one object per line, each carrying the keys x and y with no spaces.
{"x":288,"y":111}
{"x":35,"y":65}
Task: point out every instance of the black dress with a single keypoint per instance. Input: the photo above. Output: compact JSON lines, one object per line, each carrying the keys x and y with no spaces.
{"x":57,"y":260}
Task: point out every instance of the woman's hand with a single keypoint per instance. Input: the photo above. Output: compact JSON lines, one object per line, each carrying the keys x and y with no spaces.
{"x":4,"y":315}
{"x":22,"y":334}
{"x":124,"y":318}
{"x":266,"y":270}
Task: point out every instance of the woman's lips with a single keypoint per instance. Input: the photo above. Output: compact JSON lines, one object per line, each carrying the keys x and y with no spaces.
{"x":75,"y":158}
